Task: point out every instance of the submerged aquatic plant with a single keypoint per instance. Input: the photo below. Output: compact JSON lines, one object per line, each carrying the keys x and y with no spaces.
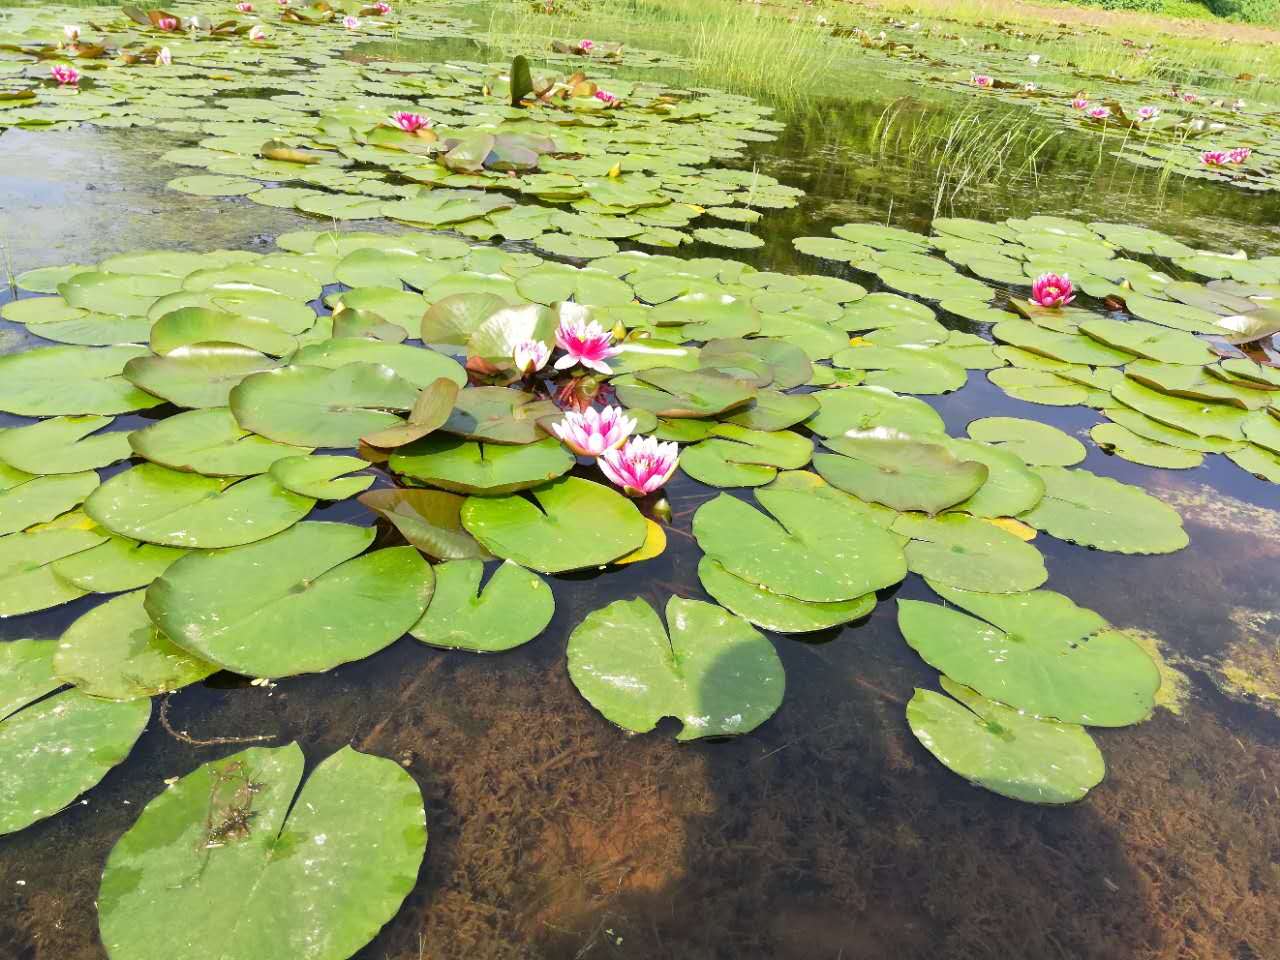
{"x":1052,"y":290}
{"x":591,"y":433}
{"x":65,"y":75}
{"x":641,"y":466}
{"x":584,"y":343}
{"x":530,"y":356}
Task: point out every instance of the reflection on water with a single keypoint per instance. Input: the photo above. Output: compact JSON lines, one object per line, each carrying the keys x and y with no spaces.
{"x":827,"y":833}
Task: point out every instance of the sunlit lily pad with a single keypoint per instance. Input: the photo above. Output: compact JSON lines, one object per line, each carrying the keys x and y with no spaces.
{"x":1124,"y":443}
{"x":712,"y":671}
{"x":64,"y":445}
{"x":209,"y":442}
{"x":28,"y":577}
{"x":514,"y":607}
{"x":902,"y":473}
{"x":969,"y":553}
{"x":1095,"y":511}
{"x":70,"y":380}
{"x":303,"y":601}
{"x":197,"y":376}
{"x":116,"y":565}
{"x":210,"y":848}
{"x":429,"y":519}
{"x":321,"y":477}
{"x":40,"y":499}
{"x":777,"y":611}
{"x":1038,"y":444}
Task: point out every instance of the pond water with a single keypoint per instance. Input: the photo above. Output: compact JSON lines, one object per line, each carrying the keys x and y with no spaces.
{"x":829,"y":831}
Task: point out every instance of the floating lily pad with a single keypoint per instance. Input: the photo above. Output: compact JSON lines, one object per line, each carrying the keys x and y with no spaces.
{"x":776,"y":611}
{"x":28,"y":577}
{"x":1038,"y":444}
{"x":429,"y":519}
{"x":677,"y":394}
{"x":906,"y":369}
{"x":512,"y":609}
{"x":498,"y":415}
{"x":56,"y":748}
{"x":64,"y":445}
{"x":116,"y":565}
{"x":811,"y":549}
{"x":1037,"y":652}
{"x":197,"y":376}
{"x":114,"y":651}
{"x":902,"y":473}
{"x":713,"y":671}
{"x":211,"y":848}
{"x":70,"y":380}
{"x":489,"y":469}
{"x":302,"y":601}
{"x":318,"y":476}
{"x":965,"y":552}
{"x":1095,"y":511}
{"x":40,"y":499}
{"x":209,"y":442}
{"x":1124,"y":443}
{"x":733,"y":456}
{"x":158,"y":505}
{"x":1003,"y":750}
{"x":865,"y":408}
{"x":575,"y":524}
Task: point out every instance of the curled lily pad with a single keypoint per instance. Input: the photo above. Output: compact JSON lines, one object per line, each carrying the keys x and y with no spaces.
{"x":56,"y":748}
{"x":429,"y":413}
{"x":712,"y":671}
{"x":114,"y":651}
{"x":571,"y":524}
{"x":302,"y":601}
{"x":431,"y":520}
{"x":230,"y":841}
{"x":1004,"y":750}
{"x":157,"y":505}
{"x":1095,"y":511}
{"x":813,"y":549}
{"x":777,"y":611}
{"x":498,"y":415}
{"x":513,"y":608}
{"x":902,"y":473}
{"x":1037,"y":652}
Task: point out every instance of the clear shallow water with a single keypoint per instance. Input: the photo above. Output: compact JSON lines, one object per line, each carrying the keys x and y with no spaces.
{"x":828,"y":832}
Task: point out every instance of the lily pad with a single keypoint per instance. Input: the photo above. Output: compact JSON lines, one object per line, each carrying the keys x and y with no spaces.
{"x":215,"y":848}
{"x":197,"y":376}
{"x":431,"y":520}
{"x":512,"y":609}
{"x":575,"y":525}
{"x":28,"y":577}
{"x":116,"y":565}
{"x":1124,"y":443}
{"x":776,"y":611}
{"x":902,"y":473}
{"x":40,"y":499}
{"x":318,"y":476}
{"x":1095,"y":511}
{"x":713,"y":672}
{"x":488,"y":469}
{"x":209,"y":442}
{"x":71,"y":380}
{"x":302,"y":601}
{"x":965,"y":552}
{"x":64,"y":445}
{"x":1003,"y":750}
{"x":1038,"y":444}
{"x":676,"y":394}
{"x":865,"y":408}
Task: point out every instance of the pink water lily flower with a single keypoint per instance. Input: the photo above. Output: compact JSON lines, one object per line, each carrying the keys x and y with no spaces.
{"x":982,"y":80}
{"x":167,"y":24}
{"x":1239,"y":155}
{"x":640,"y":467}
{"x":244,"y":6}
{"x":605,"y":97}
{"x":66,"y":76}
{"x":1189,"y":97}
{"x":1214,"y":158}
{"x":71,"y":32}
{"x":592,"y":433}
{"x":530,"y":356}
{"x":1098,"y":113}
{"x":257,"y":33}
{"x":586,"y":45}
{"x":350,"y":22}
{"x":584,"y":343}
{"x":1079,"y":103}
{"x":382,"y":9}
{"x":1148,"y":113}
{"x":1052,"y":290}
{"x":164,"y":58}
{"x":410,"y":122}
{"x":1029,"y":87}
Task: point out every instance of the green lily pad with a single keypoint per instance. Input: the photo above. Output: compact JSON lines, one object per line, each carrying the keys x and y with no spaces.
{"x":54,"y":749}
{"x":115,"y":652}
{"x":1143,"y":426}
{"x":1067,"y":347}
{"x":513,"y":608}
{"x":488,"y":469}
{"x":317,"y":476}
{"x":122,"y":294}
{"x":713,"y":672}
{"x":1261,"y":462}
{"x":960,"y":551}
{"x":1084,"y":508}
{"x":319,"y":407}
{"x":70,"y":380}
{"x":40,"y":499}
{"x":158,"y":505}
{"x":575,"y":525}
{"x":1003,"y":750}
{"x":431,"y":520}
{"x":1010,"y":489}
{"x":865,"y":408}
{"x":28,"y":577}
{"x":812,"y":549}
{"x":64,"y":445}
{"x":777,"y":611}
{"x":116,"y":565}
{"x":1038,"y":386}
{"x":302,"y":601}
{"x":675,"y":394}
{"x":1149,"y":340}
{"x":192,"y":325}
{"x":232,"y":840}
{"x":209,"y":442}
{"x":498,"y":415}
{"x":1038,"y":444}
{"x":906,"y":369}
{"x":902,"y":473}
{"x":196,"y":377}
{"x":1037,"y":652}
{"x":733,"y":456}
{"x":1124,"y":443}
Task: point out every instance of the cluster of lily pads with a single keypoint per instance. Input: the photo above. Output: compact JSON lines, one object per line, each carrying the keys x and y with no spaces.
{"x":490,"y":150}
{"x":1195,"y":134}
{"x":1179,"y":367}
